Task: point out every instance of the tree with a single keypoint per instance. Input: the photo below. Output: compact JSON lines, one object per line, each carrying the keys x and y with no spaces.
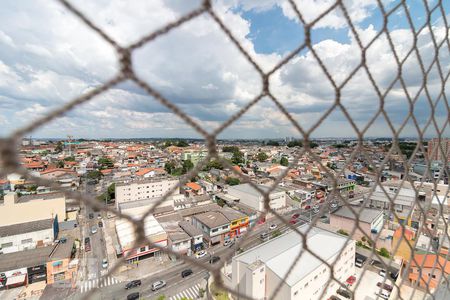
{"x":273,"y":143}
{"x":187,"y":166}
{"x":213,"y":164}
{"x":384,"y":252}
{"x":262,"y":156}
{"x":343,"y":232}
{"x":232,"y":181}
{"x":69,"y":158}
{"x":296,"y":143}
{"x":60,"y":164}
{"x":182,"y":144}
{"x":231,"y":149}
{"x":105,"y":163}
{"x":96,"y":175}
{"x":161,"y":297}
{"x":313,"y":145}
{"x":169,"y":166}
{"x":284,"y":161}
{"x":238,"y":158}
{"x":59,"y":147}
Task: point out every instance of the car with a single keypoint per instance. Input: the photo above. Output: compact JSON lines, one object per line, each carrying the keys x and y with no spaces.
{"x":87,"y":240}
{"x":264,"y":236}
{"x":231,"y":244}
{"x":385,"y":286}
{"x":158,"y":285}
{"x":214,"y":259}
{"x":94,"y":229}
{"x":200,"y":253}
{"x":99,"y":216}
{"x":333,"y":205}
{"x":91,"y":215}
{"x":384,"y":294}
{"x":133,"y":296}
{"x":307,"y":207}
{"x":87,"y":247}
{"x":227,"y":242}
{"x":186,"y":273}
{"x":273,"y":226}
{"x":133,"y":284}
{"x":344,"y":293}
{"x":359,"y":263}
{"x":316,"y":207}
{"x":351,"y":280}
{"x":63,"y":240}
{"x":100,"y":224}
{"x":295,"y":216}
{"x":293,"y":221}
{"x":105,"y":263}
{"x":382,"y":273}
{"x":333,"y":297}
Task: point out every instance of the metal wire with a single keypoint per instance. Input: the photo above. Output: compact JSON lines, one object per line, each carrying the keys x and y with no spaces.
{"x":10,"y":161}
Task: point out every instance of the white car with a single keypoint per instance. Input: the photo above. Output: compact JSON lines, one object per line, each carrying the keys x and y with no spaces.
{"x":316,"y":207}
{"x":382,"y":273}
{"x":105,"y":263}
{"x":94,"y":229}
{"x":273,"y":226}
{"x":200,"y":254}
{"x":333,"y":205}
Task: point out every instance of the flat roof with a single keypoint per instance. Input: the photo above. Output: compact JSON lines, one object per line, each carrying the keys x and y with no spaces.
{"x":22,"y":228}
{"x":280,"y":253}
{"x":366,"y":215}
{"x":212,"y":219}
{"x":248,"y":189}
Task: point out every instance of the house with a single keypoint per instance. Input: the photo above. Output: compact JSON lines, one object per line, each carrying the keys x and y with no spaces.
{"x":214,"y":225}
{"x":253,"y":198}
{"x":427,"y":270}
{"x":194,"y":233}
{"x":193,"y":188}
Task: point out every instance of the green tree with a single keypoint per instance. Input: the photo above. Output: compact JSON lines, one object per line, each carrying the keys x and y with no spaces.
{"x":60,"y":164}
{"x":105,"y":163}
{"x":238,"y":158}
{"x":161,"y":297}
{"x":187,"y":166}
{"x":276,"y":233}
{"x":213,"y":164}
{"x":296,"y":143}
{"x":231,"y":149}
{"x":343,"y":232}
{"x":384,"y":252}
{"x":170,"y":166}
{"x":69,"y":158}
{"x":182,"y":144}
{"x":262,"y":156}
{"x":273,"y":143}
{"x":232,"y":181}
{"x":284,"y":161}
{"x":96,"y":175}
{"x":313,"y":145}
{"x":59,"y":147}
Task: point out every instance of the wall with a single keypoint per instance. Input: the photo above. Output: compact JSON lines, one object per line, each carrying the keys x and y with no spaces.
{"x":32,"y":210}
{"x":46,"y":236}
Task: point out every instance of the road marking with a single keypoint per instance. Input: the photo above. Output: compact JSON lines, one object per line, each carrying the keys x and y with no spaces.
{"x":95,"y":283}
{"x":191,"y":293}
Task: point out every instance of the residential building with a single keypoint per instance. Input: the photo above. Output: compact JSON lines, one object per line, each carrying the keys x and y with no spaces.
{"x":214,"y":225}
{"x":194,"y":233}
{"x":439,"y":150}
{"x":253,"y":198}
{"x":428,"y":270}
{"x":144,"y":189}
{"x":29,"y":208}
{"x":258,"y":272}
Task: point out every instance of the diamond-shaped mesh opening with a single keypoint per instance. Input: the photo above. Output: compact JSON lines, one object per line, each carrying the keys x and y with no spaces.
{"x":404,"y":181}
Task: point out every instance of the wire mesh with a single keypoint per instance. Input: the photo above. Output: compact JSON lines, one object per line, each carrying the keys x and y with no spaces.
{"x":11,"y":163}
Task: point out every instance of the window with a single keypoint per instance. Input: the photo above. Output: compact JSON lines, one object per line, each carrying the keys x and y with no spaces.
{"x":27,"y":241}
{"x":215,"y":230}
{"x":6,"y":245}
{"x":306,"y":284}
{"x":315,"y":277}
{"x":261,"y":281}
{"x":142,"y":249}
{"x":225,"y":227}
{"x":296,"y":292}
{"x":262,"y":270}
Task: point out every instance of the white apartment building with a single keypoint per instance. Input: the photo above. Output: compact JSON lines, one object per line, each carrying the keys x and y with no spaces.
{"x":148,"y":188}
{"x":258,"y":271}
{"x":251,"y":197}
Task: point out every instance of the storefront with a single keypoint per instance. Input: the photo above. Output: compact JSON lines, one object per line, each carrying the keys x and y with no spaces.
{"x":14,"y":278}
{"x":37,"y":273}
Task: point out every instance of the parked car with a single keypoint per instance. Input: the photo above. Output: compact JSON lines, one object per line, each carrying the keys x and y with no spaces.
{"x":293,"y":221}
{"x":133,"y":296}
{"x":273,"y":226}
{"x":214,"y":259}
{"x":133,"y":284}
{"x":382,"y":273}
{"x":231,"y":244}
{"x":227,"y":242}
{"x":307,"y":207}
{"x":104,"y":263}
{"x":333,"y":297}
{"x":200,"y":253}
{"x":63,"y":240}
{"x":186,"y":273}
{"x":87,"y":247}
{"x":91,"y":215}
{"x":344,"y":293}
{"x":385,"y":286}
{"x":295,"y":216}
{"x":384,"y":294}
{"x":333,"y":205}
{"x":316,"y":207}
{"x":87,"y":240}
{"x":264,"y":236}
{"x":158,"y":285}
{"x":100,"y":224}
{"x":351,"y":280}
{"x":94,"y":229}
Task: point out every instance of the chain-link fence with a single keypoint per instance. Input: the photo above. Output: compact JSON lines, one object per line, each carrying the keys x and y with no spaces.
{"x":11,"y":163}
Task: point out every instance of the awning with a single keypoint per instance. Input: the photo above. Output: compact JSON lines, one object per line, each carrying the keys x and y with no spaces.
{"x":15,"y":279}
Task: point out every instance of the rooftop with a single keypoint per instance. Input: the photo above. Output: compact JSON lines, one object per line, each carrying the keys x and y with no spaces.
{"x":366,"y":215}
{"x":22,"y":228}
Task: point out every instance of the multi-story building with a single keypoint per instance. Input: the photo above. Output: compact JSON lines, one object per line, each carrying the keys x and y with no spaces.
{"x":427,"y":270}
{"x":214,"y":225}
{"x":439,"y":151}
{"x":144,"y":189}
{"x":30,"y":208}
{"x":253,"y":198}
{"x":258,"y":272}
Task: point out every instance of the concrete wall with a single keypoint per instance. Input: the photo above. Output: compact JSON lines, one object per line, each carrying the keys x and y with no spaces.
{"x":32,"y":210}
{"x":45,"y":236}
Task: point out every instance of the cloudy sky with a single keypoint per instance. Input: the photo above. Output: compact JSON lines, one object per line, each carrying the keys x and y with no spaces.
{"x":48,"y":57}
